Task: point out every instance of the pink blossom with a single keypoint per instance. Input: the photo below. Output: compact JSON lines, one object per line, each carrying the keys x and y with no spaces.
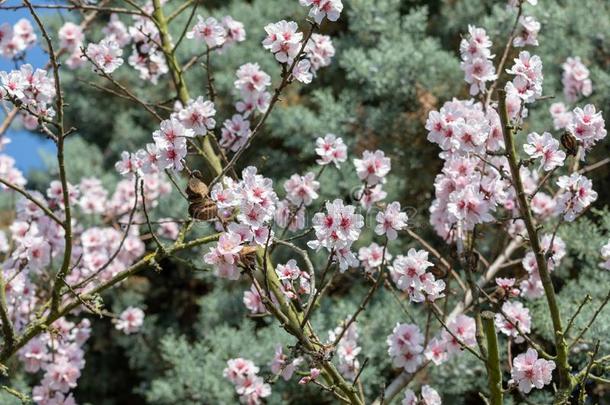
{"x":302,"y":190}
{"x":546,"y":148}
{"x":209,"y":30}
{"x":575,"y":79}
{"x":575,"y":196}
{"x":330,"y":9}
{"x":529,"y":371}
{"x":331,"y":149}
{"x":528,"y":32}
{"x":373,"y":167}
{"x":106,"y":55}
{"x":391,"y":220}
{"x":70,"y":36}
{"x":130,"y":321}
{"x":514,"y":313}
{"x":283,"y":40}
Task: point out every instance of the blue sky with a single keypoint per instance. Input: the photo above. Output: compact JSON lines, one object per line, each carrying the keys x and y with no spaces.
{"x":25,"y":146}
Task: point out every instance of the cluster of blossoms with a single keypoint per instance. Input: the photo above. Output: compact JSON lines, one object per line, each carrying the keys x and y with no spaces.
{"x":250,"y":387}
{"x":529,"y":371}
{"x":146,"y":56}
{"x":71,"y":39}
{"x":514,"y":315}
{"x":130,"y":321}
{"x":252,"y":84}
{"x":575,"y":195}
{"x":575,"y":80}
{"x":170,"y":144}
{"x":280,"y":364}
{"x":372,"y":257}
{"x":286,"y":43}
{"x":429,"y":396}
{"x":410,"y":275}
{"x":532,"y":287}
{"x":528,"y":32}
{"x":330,"y":9}
{"x":588,"y":127}
{"x":336,"y":230}
{"x":254,"y":201}
{"x":526,"y":86}
{"x":17,"y":38}
{"x":98,"y":255}
{"x":405,"y":346}
{"x":477,"y":60}
{"x":301,"y":191}
{"x":460,"y":332}
{"x":34,"y":89}
{"x":347,"y":350}
{"x":217,"y":34}
{"x":546,"y":148}
{"x":372,"y":170}
{"x":331,"y":149}
{"x":59,"y":355}
{"x":294,"y":281}
{"x":106,"y":55}
{"x":468,"y":189}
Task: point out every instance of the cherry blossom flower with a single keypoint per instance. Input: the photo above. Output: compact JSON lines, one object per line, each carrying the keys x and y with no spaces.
{"x":528,"y":32}
{"x":347,"y":350}
{"x":336,"y":230}
{"x":235,"y":133}
{"x":116,"y":31}
{"x":319,"y":50}
{"x":575,"y":79}
{"x":198,"y":115}
{"x":302,"y":190}
{"x":302,"y":71}
{"x":391,"y":220}
{"x":253,"y":301}
{"x":283,"y":40}
{"x":330,"y":9}
{"x":248,"y":385}
{"x":430,"y":396}
{"x":234,"y":30}
{"x":209,"y":30}
{"x":314,"y":373}
{"x":587,"y":126}
{"x":369,"y":196}
{"x":372,"y":257}
{"x":373,"y":167}
{"x":529,"y":371}
{"x":561,"y":116}
{"x":281,"y":366}
{"x":70,"y":36}
{"x":513,"y":315}
{"x":130,"y":321}
{"x":508,"y":286}
{"x":463,"y":330}
{"x":106,"y":55}
{"x":528,"y":77}
{"x":575,"y":196}
{"x":545,"y":147}
{"x":331,"y":149}
{"x":405,"y":347}
{"x":436,"y":351}
{"x":476,"y":59}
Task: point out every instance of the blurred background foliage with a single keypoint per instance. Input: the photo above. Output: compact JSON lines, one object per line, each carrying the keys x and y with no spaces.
{"x":396,"y":60}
